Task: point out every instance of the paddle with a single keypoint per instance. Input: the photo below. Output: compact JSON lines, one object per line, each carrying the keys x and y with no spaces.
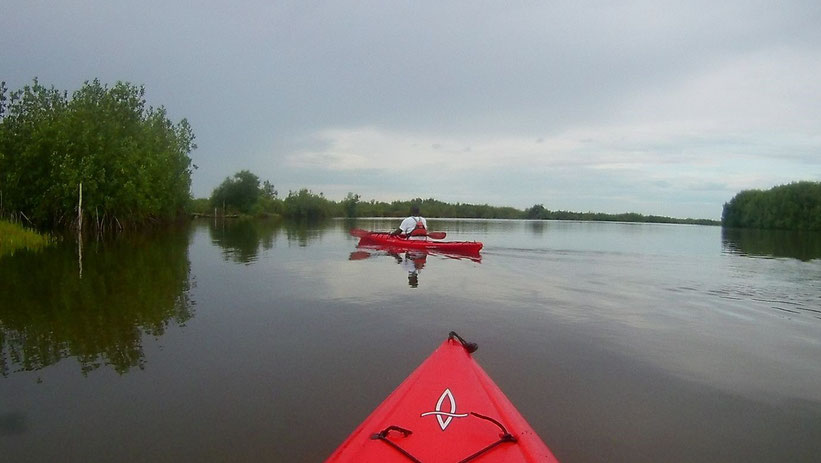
{"x":360,"y":233}
{"x":437,"y":235}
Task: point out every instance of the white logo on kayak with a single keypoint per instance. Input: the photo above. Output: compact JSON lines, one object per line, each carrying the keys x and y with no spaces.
{"x":443,"y":417}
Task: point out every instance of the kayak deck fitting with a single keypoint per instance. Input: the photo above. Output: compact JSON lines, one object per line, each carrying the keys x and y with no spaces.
{"x":448,"y":410}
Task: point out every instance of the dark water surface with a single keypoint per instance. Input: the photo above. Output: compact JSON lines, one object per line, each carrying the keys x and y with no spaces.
{"x":258,"y":341}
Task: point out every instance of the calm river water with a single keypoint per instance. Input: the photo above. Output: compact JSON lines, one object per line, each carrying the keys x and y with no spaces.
{"x":258,"y":341}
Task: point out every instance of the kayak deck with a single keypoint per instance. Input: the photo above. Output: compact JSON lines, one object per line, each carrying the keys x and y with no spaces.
{"x":447,"y":410}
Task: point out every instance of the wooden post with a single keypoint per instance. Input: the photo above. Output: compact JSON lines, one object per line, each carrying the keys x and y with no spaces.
{"x":80,"y":211}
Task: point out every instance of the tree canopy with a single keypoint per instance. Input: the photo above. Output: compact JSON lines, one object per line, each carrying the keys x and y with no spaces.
{"x":132,"y":161}
{"x":796,"y":206}
{"x":239,"y":192}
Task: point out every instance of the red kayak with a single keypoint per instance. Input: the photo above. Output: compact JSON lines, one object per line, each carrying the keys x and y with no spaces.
{"x":367,"y":238}
{"x":448,"y":410}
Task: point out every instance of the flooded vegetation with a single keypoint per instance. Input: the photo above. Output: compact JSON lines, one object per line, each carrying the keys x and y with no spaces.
{"x":14,"y":237}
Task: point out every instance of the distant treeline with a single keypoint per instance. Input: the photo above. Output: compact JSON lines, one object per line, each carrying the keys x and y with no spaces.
{"x":539,"y":212}
{"x":796,"y":206}
{"x":435,"y":208}
{"x":243,"y":194}
{"x":132,"y":161}
{"x":134,"y":167}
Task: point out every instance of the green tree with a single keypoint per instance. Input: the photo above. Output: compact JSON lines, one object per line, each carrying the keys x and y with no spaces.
{"x":349,"y":204}
{"x":796,"y":206}
{"x":304,"y":204}
{"x":537,"y":212}
{"x":3,"y":91}
{"x":268,"y":190}
{"x":238,"y":193}
{"x":132,"y":160}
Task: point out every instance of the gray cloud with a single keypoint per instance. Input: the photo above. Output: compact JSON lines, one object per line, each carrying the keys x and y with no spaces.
{"x":637,"y":85}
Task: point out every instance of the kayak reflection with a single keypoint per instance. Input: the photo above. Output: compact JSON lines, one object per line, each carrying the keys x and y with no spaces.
{"x":411,"y":260}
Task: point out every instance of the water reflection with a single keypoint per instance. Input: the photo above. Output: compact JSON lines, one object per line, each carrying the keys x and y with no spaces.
{"x":648,"y":322}
{"x":130,"y":286}
{"x":304,"y":232}
{"x":800,"y":245}
{"x":537,"y":227}
{"x":12,"y":423}
{"x":412,"y":261}
{"x":242,"y":240}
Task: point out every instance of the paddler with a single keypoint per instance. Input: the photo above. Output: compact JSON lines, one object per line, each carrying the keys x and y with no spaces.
{"x":414,"y":227}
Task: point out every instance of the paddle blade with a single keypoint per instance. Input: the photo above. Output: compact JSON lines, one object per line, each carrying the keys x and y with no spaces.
{"x":359,"y":233}
{"x":437,"y":235}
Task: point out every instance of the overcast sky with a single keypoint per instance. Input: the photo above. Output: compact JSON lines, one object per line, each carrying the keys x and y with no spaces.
{"x":655,"y":107}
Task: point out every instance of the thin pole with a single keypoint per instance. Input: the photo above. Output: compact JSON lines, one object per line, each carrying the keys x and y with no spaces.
{"x":80,"y":211}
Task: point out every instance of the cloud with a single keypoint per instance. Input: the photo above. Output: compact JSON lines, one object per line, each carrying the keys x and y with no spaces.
{"x":745,"y":120}
{"x":641,"y":105}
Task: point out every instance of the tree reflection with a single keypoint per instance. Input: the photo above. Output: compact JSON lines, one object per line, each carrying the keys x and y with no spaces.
{"x":242,"y":240}
{"x":130,"y":286}
{"x":304,"y":231}
{"x":537,"y":227}
{"x":802,"y":245}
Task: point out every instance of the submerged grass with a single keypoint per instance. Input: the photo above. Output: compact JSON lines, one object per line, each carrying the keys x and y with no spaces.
{"x":14,"y":237}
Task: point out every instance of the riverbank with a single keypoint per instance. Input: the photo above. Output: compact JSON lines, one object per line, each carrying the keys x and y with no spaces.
{"x":14,"y":237}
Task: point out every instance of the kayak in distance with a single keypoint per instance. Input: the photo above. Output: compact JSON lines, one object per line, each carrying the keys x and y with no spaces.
{"x":447,"y":411}
{"x":368,"y":238}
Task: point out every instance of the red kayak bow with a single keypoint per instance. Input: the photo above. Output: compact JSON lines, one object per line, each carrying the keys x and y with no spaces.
{"x":448,"y":410}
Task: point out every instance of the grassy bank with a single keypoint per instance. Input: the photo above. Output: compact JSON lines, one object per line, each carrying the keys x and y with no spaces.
{"x":14,"y":237}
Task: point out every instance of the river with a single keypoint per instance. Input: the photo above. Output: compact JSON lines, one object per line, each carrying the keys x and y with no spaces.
{"x":266,"y":341}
